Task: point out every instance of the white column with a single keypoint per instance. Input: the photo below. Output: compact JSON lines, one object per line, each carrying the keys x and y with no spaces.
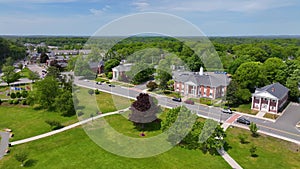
{"x":259,"y":104}
{"x":252,"y":102}
{"x":276,"y":106}
{"x":269,"y":105}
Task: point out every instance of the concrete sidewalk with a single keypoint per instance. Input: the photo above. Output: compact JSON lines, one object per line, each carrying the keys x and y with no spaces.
{"x":65,"y":128}
{"x":221,"y":151}
{"x":4,"y":143}
{"x":260,"y":114}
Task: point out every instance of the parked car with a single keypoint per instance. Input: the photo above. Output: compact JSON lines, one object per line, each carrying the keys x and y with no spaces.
{"x":176,"y":99}
{"x":111,"y":85}
{"x":228,"y":111}
{"x":243,"y":120}
{"x":98,"y":83}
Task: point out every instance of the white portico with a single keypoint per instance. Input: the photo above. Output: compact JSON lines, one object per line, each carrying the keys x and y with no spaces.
{"x":269,"y":98}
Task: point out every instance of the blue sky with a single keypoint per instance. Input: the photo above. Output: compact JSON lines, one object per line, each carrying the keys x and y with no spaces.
{"x":213,"y":17}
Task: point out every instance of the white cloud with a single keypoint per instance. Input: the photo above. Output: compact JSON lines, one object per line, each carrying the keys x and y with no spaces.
{"x":96,"y":11}
{"x":141,"y":5}
{"x":213,"y":5}
{"x":37,"y":1}
{"x":99,"y":11}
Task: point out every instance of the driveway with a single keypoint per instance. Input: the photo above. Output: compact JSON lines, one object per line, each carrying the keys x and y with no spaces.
{"x":290,"y":117}
{"x":4,"y":142}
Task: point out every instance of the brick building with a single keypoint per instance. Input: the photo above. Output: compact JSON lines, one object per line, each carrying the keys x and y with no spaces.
{"x":201,"y":84}
{"x":270,"y":98}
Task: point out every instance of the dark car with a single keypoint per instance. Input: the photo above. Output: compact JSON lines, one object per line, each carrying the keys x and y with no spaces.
{"x":111,"y":85}
{"x":243,"y":120}
{"x":176,"y":99}
{"x":228,"y":111}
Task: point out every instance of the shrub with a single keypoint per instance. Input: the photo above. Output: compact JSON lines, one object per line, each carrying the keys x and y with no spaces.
{"x":13,"y":95}
{"x":97,"y":91}
{"x":18,"y":95}
{"x":243,"y":138}
{"x":152,"y":86}
{"x":54,"y":124}
{"x":11,"y":101}
{"x":253,"y":151}
{"x":110,"y":75}
{"x":91,"y":91}
{"x":189,"y":102}
{"x":0,"y":101}
{"x":24,"y":102}
{"x":80,"y":113}
{"x":24,"y":94}
{"x":16,"y":101}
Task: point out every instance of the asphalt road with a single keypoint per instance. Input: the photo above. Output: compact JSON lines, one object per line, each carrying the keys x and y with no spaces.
{"x":277,"y":128}
{"x":4,"y":143}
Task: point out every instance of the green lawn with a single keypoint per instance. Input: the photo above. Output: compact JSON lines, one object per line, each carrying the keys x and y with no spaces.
{"x":272,"y":152}
{"x":27,"y":122}
{"x":126,"y":127}
{"x":74,"y":149}
{"x":103,"y":102}
{"x":25,"y":73}
{"x":245,"y":108}
{"x":271,"y":116}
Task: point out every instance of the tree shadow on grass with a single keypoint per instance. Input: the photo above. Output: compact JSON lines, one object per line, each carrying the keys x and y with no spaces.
{"x":153,"y":126}
{"x":256,"y":135}
{"x":254,"y":155}
{"x":30,"y":163}
{"x":227,"y":146}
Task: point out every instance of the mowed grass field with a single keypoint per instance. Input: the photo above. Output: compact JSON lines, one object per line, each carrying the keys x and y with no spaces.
{"x":272,"y":153}
{"x":27,"y":122}
{"x":74,"y":149}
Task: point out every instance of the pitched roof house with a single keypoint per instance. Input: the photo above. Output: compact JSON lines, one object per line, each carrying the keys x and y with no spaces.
{"x":270,"y":98}
{"x":120,"y":70}
{"x":199,"y":84}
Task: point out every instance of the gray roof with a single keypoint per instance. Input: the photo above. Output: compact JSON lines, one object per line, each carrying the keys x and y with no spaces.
{"x":275,"y":89}
{"x":123,"y":67}
{"x":207,"y":79}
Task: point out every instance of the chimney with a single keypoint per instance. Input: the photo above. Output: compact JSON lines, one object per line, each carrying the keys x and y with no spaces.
{"x":273,"y":89}
{"x":201,"y":71}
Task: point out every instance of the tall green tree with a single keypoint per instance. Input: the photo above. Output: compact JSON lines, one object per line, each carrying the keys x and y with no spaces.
{"x":140,"y":72}
{"x":275,"y":70}
{"x":33,"y":76}
{"x":53,"y":71}
{"x":293,"y":83}
{"x":64,"y":103}
{"x":250,"y":75}
{"x":178,"y":123}
{"x":9,"y":74}
{"x":212,"y":136}
{"x":45,"y":92}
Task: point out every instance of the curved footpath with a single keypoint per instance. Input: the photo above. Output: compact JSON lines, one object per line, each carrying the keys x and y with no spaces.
{"x":65,"y":128}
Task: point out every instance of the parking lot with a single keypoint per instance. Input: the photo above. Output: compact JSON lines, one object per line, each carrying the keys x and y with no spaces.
{"x":290,"y":117}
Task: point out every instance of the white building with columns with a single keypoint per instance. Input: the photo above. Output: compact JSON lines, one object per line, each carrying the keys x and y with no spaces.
{"x":270,"y":98}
